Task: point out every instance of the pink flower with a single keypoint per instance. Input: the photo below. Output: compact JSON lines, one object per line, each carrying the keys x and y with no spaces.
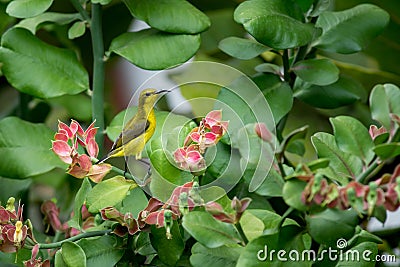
{"x":127,"y":224}
{"x":263,"y":132}
{"x":189,"y":158}
{"x":36,"y":262}
{"x":213,"y":122}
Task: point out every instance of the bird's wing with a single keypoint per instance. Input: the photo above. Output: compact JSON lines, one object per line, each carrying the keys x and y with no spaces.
{"x":129,"y":134}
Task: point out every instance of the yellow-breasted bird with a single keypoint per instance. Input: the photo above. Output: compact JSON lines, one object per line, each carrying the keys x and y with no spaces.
{"x":139,"y":129}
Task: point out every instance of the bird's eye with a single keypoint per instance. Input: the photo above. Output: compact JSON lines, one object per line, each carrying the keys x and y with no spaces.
{"x":148,"y":94}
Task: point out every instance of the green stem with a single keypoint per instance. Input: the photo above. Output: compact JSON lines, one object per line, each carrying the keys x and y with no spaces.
{"x":80,"y":9}
{"x":121,"y":172}
{"x":242,"y":234}
{"x":72,"y":239}
{"x":301,"y":54}
{"x":98,"y":73}
{"x":363,"y":177}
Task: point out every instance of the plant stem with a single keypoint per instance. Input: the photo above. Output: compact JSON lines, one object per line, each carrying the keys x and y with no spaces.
{"x":121,"y":172}
{"x":363,"y":178}
{"x":80,"y":9}
{"x":72,"y":239}
{"x":242,"y":234}
{"x":301,"y":54}
{"x":98,"y":73}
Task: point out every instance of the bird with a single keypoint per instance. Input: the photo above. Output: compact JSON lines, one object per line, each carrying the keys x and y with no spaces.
{"x":139,"y":129}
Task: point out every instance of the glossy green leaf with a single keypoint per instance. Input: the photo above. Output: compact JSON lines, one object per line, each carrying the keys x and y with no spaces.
{"x":384,"y":99}
{"x":277,"y":24}
{"x":272,"y":185}
{"x":174,"y":16}
{"x":27,"y":8}
{"x":56,"y":71}
{"x":77,"y":30}
{"x":269,"y":68}
{"x":73,"y":255}
{"x":58,"y":259}
{"x":214,"y":257}
{"x":277,"y":93}
{"x":317,"y":71}
{"x":387,"y":151}
{"x":77,"y":106}
{"x":344,"y":91}
{"x":154,"y":50}
{"x":23,"y":157}
{"x":134,"y":202}
{"x":108,"y":193}
{"x":80,"y":199}
{"x":343,"y":164}
{"x":143,"y":244}
{"x":208,"y":231}
{"x":325,"y":228}
{"x":263,"y":251}
{"x":292,"y":191}
{"x":242,"y":48}
{"x":101,"y":251}
{"x":352,"y":137}
{"x":5,"y":19}
{"x":169,"y":250}
{"x":351,"y":30}
{"x":33,"y":24}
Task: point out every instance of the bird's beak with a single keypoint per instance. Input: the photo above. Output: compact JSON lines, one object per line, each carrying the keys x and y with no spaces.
{"x":162,"y":91}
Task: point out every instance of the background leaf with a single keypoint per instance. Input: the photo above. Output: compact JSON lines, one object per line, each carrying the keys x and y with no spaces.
{"x":33,"y":24}
{"x":80,"y":199}
{"x":349,"y":31}
{"x":73,"y":255}
{"x":208,"y":231}
{"x":284,"y":19}
{"x":154,"y":50}
{"x":57,"y":71}
{"x":317,"y":71}
{"x":344,"y":91}
{"x":384,"y":99}
{"x":24,"y":157}
{"x":352,"y":137}
{"x":27,"y":8}
{"x":242,"y":48}
{"x":174,"y":16}
{"x":214,"y":257}
{"x":169,"y":250}
{"x":101,"y":251}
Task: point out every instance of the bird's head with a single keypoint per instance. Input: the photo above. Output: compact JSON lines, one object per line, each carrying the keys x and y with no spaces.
{"x":148,"y":97}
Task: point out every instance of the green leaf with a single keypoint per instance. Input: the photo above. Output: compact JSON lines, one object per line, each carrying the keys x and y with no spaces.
{"x":272,"y":185}
{"x":208,"y":231}
{"x":317,"y":71}
{"x":58,"y":259}
{"x":33,"y":24}
{"x":387,"y":151}
{"x":384,"y":100}
{"x":328,"y":226}
{"x":101,"y":251}
{"x":174,"y":16}
{"x":214,"y":257}
{"x":277,"y":93}
{"x":80,"y":199}
{"x":343,"y":164}
{"x":27,"y":8}
{"x":77,"y":30}
{"x":134,"y":202}
{"x":169,"y":250}
{"x":269,"y":68}
{"x":351,"y":30}
{"x":352,"y":137}
{"x":108,"y":193}
{"x":260,"y":251}
{"x":292,"y":190}
{"x":25,"y":149}
{"x":36,"y":68}
{"x":277,"y":24}
{"x":242,"y":48}
{"x":77,"y":106}
{"x":73,"y":255}
{"x":153,"y":50}
{"x":344,"y":91}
